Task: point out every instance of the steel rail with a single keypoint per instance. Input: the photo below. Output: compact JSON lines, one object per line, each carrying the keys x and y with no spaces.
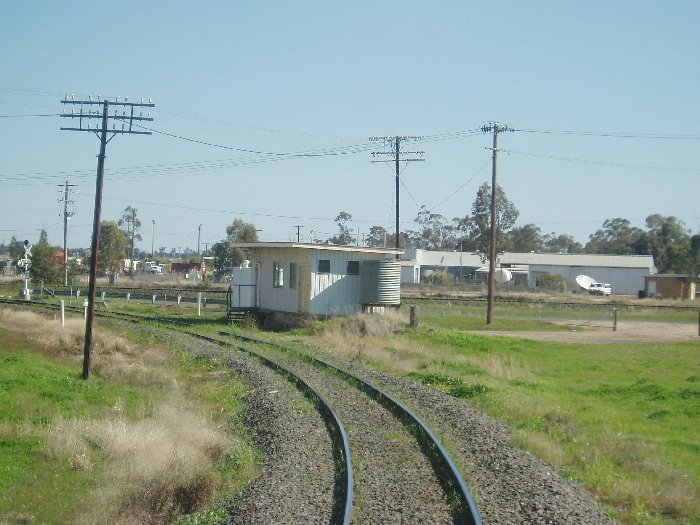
{"x":515,"y":300}
{"x":344,"y":490}
{"x":442,"y":463}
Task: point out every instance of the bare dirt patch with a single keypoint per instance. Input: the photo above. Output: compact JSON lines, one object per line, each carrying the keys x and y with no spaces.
{"x":602,"y":332}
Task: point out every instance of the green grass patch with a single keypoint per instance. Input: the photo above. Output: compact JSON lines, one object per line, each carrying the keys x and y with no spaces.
{"x":500,"y":324}
{"x":61,"y":437}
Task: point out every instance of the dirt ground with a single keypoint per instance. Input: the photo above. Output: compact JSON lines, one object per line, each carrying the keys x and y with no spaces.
{"x":602,"y":332}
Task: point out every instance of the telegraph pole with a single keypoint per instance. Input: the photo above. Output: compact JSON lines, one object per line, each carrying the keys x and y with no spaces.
{"x":496,"y":128}
{"x":199,"y":236}
{"x":153,"y":235}
{"x":86,"y":115}
{"x":397,"y":160}
{"x":66,"y":215}
{"x":298,"y":227}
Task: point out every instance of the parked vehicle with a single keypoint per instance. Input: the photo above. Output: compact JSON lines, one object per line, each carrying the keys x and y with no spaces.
{"x":151,"y":267}
{"x":600,"y":289}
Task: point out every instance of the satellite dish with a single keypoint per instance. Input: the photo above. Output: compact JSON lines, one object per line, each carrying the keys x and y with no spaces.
{"x":503,"y":276}
{"x":585,"y":282}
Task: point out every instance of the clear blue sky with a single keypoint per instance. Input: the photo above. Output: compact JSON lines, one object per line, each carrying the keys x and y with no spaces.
{"x":289,"y":77}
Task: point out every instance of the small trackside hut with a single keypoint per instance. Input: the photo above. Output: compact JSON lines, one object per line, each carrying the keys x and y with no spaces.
{"x":316,"y":279}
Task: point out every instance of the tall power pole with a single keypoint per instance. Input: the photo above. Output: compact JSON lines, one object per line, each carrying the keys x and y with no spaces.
{"x":86,"y":115}
{"x":153,"y":235}
{"x":298,"y":227}
{"x":496,"y":128}
{"x":396,"y":151}
{"x":66,"y":215}
{"x":199,"y":236}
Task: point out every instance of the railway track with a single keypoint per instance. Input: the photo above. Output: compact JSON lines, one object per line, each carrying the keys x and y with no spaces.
{"x":405,"y":475}
{"x":395,"y":475}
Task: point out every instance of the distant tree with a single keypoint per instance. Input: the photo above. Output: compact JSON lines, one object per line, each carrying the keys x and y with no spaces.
{"x":43,"y":237}
{"x":112,"y":249}
{"x":480,"y":224}
{"x":344,"y":237}
{"x":668,"y":240}
{"x":226,"y":256}
{"x":616,"y":237}
{"x":462,"y":228}
{"x":562,"y":243}
{"x":377,"y":237}
{"x":16,"y":250}
{"x":405,"y":241}
{"x":526,"y":239}
{"x":435,"y":233}
{"x":694,"y":259}
{"x":131,"y":224}
{"x":46,"y":266}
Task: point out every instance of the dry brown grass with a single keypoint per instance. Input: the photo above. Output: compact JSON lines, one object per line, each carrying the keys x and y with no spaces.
{"x":150,"y":470}
{"x":155,"y":468}
{"x":112,"y":356}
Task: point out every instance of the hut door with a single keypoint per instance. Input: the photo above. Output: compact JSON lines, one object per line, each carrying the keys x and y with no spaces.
{"x":304,"y":291}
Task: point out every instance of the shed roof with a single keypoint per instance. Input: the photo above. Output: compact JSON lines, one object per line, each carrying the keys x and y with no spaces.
{"x":319,"y":247}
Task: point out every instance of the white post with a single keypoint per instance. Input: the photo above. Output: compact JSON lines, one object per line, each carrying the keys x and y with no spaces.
{"x":77,"y":294}
{"x":179,"y":298}
{"x":63,"y":313}
{"x":199,"y":303}
{"x":85,"y":305}
{"x":153,"y":300}
{"x":103,"y":297}
{"x":128,"y":296}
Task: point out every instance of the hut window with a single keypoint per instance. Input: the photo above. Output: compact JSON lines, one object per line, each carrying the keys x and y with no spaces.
{"x":293,"y":275}
{"x":353,"y":268}
{"x":277,"y":275}
{"x":324,"y":266}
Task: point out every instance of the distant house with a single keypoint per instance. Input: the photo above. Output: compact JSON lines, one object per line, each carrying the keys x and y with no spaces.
{"x":319,"y":279}
{"x":670,"y":286}
{"x":625,"y":273}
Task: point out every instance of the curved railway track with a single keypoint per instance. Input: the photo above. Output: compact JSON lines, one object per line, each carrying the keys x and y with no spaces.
{"x":404,"y":473}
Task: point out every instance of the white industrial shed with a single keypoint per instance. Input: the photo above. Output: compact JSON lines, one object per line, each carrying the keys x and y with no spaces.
{"x":625,"y":273}
{"x":319,"y":279}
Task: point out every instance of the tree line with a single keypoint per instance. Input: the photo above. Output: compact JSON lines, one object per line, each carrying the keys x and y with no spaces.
{"x":666,"y":238}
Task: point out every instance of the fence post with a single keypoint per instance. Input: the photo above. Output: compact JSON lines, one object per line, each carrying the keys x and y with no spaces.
{"x":63,"y":313}
{"x":199,"y":303}
{"x":153,"y":300}
{"x":414,"y":316}
{"x":614,"y":319}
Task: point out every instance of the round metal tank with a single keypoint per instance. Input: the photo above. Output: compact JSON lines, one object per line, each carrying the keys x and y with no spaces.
{"x":381,"y":282}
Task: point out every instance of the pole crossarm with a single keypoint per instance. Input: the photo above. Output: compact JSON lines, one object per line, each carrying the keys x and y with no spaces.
{"x":124,"y":112}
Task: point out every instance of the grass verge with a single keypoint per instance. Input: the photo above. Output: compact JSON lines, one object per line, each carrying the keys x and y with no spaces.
{"x":153,"y":436}
{"x":620,"y":418}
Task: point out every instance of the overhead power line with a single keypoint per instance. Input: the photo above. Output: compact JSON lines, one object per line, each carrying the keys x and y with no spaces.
{"x":666,"y":169}
{"x":621,"y":135}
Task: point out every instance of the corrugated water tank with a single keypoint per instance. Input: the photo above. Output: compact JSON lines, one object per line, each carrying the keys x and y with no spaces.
{"x":380,"y":282}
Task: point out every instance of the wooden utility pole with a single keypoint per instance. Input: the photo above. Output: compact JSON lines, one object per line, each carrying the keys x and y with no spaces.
{"x":397,"y":159}
{"x":86,"y":115}
{"x":66,"y":215}
{"x":496,"y":128}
